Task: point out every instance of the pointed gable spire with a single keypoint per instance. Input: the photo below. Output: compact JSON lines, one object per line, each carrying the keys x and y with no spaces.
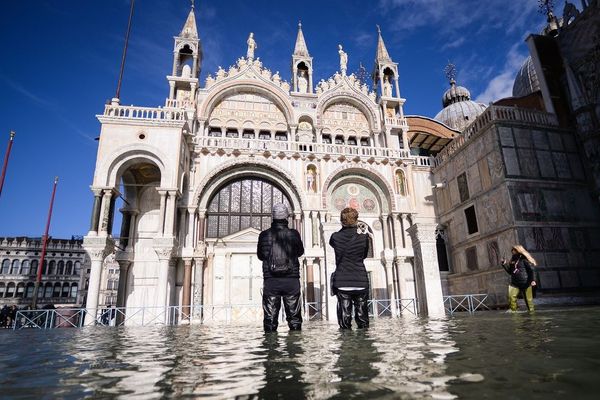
{"x":300,"y":49}
{"x":382,"y":53}
{"x":189,"y":28}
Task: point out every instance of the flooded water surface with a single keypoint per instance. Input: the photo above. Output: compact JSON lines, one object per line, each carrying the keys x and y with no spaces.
{"x":490,"y":355}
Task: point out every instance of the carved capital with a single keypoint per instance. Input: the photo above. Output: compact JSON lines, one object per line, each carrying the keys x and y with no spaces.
{"x":97,"y":254}
{"x":164,"y":253}
{"x":422,"y":233}
{"x":200,"y":250}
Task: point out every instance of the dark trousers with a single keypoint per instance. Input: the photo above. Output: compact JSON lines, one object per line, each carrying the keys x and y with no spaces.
{"x":276,"y":289}
{"x":357,"y":300}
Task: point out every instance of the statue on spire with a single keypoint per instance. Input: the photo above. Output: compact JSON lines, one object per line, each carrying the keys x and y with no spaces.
{"x":251,"y":46}
{"x":343,"y":60}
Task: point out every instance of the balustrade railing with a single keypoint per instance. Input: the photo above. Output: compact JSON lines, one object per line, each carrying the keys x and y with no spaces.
{"x":227,"y":313}
{"x":496,"y":114}
{"x":143,"y":113}
{"x":466,"y":302}
{"x":275,"y":146}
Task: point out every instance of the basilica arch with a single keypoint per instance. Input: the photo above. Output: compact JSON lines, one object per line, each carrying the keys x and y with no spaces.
{"x":370,"y":177}
{"x":127,"y":156}
{"x":242,"y":168}
{"x":226,"y":89}
{"x":369,"y":112}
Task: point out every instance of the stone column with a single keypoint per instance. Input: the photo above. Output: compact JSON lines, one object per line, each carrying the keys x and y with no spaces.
{"x":187,"y":288}
{"x":310,"y":281}
{"x":384,"y":232}
{"x":105,"y":212}
{"x":198,"y":286}
{"x":172,"y":90}
{"x":190,"y":233}
{"x":389,"y":277}
{"x":164,"y":256}
{"x":310,"y":80}
{"x":170,"y":213}
{"x":307,"y":237}
{"x":132,"y":229}
{"x":95,"y":219}
{"x":298,"y":222}
{"x":161,"y":212}
{"x":397,"y":87}
{"x":315,"y":229}
{"x":97,"y":258}
{"x":427,"y":274}
{"x":406,"y":241}
{"x":201,"y":224}
{"x":122,"y":290}
{"x":398,"y":240}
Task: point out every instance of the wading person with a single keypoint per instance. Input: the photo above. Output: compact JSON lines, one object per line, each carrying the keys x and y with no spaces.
{"x":350,"y":281}
{"x":279,"y":248}
{"x":520,"y":269}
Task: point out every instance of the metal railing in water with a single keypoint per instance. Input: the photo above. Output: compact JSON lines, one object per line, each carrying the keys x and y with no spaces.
{"x":229,"y":313}
{"x":465,"y":302}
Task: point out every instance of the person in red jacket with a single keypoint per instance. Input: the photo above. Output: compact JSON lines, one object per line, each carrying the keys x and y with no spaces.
{"x":520,"y":269}
{"x":351,"y":282}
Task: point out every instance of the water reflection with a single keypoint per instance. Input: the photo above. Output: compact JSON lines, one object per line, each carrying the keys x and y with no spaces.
{"x":490,"y":355}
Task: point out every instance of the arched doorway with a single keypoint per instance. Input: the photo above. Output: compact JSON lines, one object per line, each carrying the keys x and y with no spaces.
{"x":236,"y":214}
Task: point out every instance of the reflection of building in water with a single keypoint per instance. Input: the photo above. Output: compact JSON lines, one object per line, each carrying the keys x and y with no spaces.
{"x":199,"y":177}
{"x":64,"y":273}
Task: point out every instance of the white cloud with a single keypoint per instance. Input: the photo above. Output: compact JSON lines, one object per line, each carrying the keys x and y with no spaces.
{"x":501,"y":85}
{"x":452,"y":16}
{"x":454,"y":43}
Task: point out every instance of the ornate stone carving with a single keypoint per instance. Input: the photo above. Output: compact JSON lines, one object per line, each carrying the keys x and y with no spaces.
{"x":164,"y":253}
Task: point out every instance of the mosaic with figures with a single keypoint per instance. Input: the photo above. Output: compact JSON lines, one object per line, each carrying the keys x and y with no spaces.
{"x":356,"y":196}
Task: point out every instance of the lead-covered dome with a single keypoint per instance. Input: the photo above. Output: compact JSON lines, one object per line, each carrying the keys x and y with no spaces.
{"x":459,"y":110}
{"x":526,"y":81}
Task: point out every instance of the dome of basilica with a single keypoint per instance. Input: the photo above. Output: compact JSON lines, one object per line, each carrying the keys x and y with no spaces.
{"x":526,"y":81}
{"x":459,"y":110}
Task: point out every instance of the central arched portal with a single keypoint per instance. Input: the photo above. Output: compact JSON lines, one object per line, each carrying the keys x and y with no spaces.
{"x":236,"y":213}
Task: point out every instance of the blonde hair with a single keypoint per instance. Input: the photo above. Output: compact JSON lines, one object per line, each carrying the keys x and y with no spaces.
{"x":349,"y":216}
{"x":521,"y":250}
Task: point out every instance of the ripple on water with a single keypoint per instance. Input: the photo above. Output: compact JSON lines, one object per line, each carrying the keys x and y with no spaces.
{"x":396,"y":358}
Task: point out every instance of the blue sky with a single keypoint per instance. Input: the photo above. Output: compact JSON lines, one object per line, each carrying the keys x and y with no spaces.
{"x":60,"y":62}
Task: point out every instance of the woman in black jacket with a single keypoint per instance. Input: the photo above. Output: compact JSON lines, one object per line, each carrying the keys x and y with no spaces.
{"x":351,"y":282}
{"x":520,"y":269}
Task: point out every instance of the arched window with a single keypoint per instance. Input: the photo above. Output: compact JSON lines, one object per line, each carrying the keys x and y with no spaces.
{"x":57,"y":289}
{"x":2,"y":289}
{"x":52,"y":268}
{"x":44,"y":267}
{"x":65,"y":290}
{"x":48,"y":290}
{"x":29,"y":292}
{"x":61,"y":268}
{"x":69,"y":268}
{"x":74,"y":290}
{"x":25,"y":267}
{"x":242,"y":204}
{"x":77,"y":269}
{"x":10,"y":289}
{"x":442,"y":253}
{"x":15,"y":267}
{"x":401,"y":182}
{"x":5,"y":267}
{"x":20,"y":290}
{"x":34,"y":267}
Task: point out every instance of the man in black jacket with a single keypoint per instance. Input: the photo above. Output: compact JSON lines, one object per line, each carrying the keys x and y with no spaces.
{"x":351,"y":280}
{"x":279,"y":248}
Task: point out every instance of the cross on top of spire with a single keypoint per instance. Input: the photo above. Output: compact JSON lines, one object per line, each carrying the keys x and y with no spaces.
{"x":450,"y":72}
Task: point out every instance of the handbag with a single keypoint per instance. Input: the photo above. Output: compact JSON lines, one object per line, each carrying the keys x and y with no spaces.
{"x":333,"y":290}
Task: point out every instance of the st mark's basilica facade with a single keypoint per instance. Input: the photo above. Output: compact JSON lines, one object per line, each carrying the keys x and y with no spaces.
{"x":199,"y":175}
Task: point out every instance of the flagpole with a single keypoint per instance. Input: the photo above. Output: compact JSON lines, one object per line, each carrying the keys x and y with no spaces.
{"x":5,"y":166}
{"x":44,"y":246}
{"x":118,"y":93}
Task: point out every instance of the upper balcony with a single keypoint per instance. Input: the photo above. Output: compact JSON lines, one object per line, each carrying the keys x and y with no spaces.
{"x":310,"y":150}
{"x":124,"y":114}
